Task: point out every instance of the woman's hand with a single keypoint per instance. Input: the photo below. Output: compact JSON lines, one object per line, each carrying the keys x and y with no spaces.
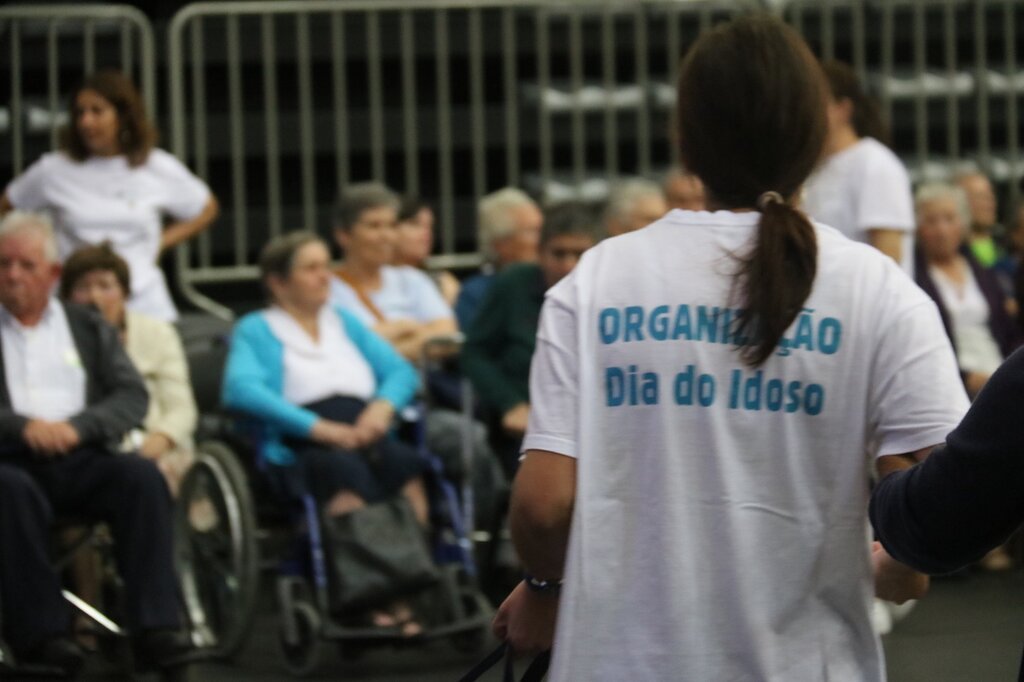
{"x":335,"y":434}
{"x":974,"y":382}
{"x":514,"y":421}
{"x":894,"y":581}
{"x":396,"y":330}
{"x":374,"y":421}
{"x":154,"y":445}
{"x":526,"y":620}
{"x":182,"y":231}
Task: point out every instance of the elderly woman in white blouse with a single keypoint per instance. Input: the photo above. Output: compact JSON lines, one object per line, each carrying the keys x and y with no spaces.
{"x":325,"y":390}
{"x":970,"y":300}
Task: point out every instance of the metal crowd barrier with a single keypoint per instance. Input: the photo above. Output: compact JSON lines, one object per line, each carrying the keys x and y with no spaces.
{"x":946,"y":68}
{"x":44,"y":50}
{"x":278,"y":104}
{"x":455,"y":98}
{"x":446,"y":98}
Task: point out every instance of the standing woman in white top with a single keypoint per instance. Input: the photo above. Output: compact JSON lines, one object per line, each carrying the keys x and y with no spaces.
{"x":860,"y":187}
{"x":108,"y":182}
{"x":704,"y":395}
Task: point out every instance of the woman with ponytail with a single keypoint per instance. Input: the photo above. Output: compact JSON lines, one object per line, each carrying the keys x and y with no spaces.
{"x":860,"y":187}
{"x":704,"y":393}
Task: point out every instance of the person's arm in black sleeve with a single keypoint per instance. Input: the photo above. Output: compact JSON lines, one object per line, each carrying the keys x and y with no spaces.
{"x":124,"y":398}
{"x":967,"y":497}
{"x":12,"y":426}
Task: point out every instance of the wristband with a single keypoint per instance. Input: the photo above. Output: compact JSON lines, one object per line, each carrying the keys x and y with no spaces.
{"x":542,"y":586}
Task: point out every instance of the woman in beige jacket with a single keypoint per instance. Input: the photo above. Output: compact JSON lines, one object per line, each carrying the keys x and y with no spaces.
{"x":96,"y":276}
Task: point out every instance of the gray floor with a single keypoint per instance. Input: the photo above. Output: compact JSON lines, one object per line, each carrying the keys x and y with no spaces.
{"x":967,"y":630}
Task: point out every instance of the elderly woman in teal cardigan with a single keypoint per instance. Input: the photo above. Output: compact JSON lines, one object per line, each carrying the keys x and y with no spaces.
{"x":323,"y":387}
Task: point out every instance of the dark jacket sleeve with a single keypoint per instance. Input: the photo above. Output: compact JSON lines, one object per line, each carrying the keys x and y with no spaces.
{"x":12,"y":426}
{"x":1003,"y":329}
{"x":117,"y":398}
{"x":486,"y":339}
{"x":966,"y":497}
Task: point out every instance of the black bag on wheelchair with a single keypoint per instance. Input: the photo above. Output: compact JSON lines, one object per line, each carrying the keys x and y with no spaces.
{"x":376,"y":554}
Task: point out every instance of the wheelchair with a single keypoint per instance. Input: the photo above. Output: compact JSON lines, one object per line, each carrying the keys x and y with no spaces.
{"x":215,"y":536}
{"x":215,"y":548}
{"x":219,"y":567}
{"x":217,"y":553}
{"x":113,"y":642}
{"x":485,"y":519}
{"x":455,"y":607}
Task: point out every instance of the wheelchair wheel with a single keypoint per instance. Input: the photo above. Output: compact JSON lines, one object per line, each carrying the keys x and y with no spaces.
{"x":216,"y":550}
{"x":302,"y":656}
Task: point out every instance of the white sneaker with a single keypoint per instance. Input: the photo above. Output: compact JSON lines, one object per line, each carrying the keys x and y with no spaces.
{"x":900,"y":611}
{"x":881,"y":617}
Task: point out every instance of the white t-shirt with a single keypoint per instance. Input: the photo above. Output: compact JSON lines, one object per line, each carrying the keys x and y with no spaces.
{"x":719,"y":529}
{"x":103,"y":198}
{"x":976,"y":348}
{"x":318,"y":369}
{"x":405,"y":294}
{"x":862,"y":187}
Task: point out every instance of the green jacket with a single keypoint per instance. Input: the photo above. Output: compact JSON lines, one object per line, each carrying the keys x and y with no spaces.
{"x":500,"y":341}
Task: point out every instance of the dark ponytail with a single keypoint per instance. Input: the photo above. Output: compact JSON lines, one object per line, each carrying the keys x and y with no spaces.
{"x":776,"y":278}
{"x":867,"y":117}
{"x":751,"y":120}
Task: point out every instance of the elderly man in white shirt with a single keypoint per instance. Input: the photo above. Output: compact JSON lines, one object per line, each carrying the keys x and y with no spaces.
{"x":67,"y":393}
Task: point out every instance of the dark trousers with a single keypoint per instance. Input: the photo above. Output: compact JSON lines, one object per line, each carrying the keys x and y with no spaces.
{"x":125,"y":491}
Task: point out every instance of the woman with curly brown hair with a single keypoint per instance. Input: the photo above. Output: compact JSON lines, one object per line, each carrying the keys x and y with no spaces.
{"x":109,"y":181}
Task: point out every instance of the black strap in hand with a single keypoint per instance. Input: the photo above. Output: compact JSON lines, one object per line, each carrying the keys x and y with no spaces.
{"x":534,"y":672}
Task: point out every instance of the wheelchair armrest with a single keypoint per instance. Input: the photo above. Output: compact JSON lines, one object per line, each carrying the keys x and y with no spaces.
{"x":439,"y":348}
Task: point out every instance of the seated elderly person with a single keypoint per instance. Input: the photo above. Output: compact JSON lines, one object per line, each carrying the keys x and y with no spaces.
{"x":403,"y":305}
{"x":500,"y":342}
{"x":400,"y":303}
{"x":324,"y":388}
{"x":416,"y":241}
{"x":633,"y":204}
{"x":68,"y":394}
{"x":96,"y":276}
{"x":970,"y":299}
{"x":509,"y":224}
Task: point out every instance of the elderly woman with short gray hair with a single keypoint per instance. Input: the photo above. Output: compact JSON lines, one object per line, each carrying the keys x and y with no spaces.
{"x":970,"y":300}
{"x":401,"y":303}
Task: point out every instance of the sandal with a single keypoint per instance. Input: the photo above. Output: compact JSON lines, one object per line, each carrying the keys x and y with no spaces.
{"x":383,"y":619}
{"x":400,"y":617}
{"x":406,"y":620}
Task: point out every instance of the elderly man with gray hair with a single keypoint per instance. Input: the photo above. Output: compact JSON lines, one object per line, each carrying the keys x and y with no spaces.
{"x":633,"y":204}
{"x":68,"y":393}
{"x":509,"y":232}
